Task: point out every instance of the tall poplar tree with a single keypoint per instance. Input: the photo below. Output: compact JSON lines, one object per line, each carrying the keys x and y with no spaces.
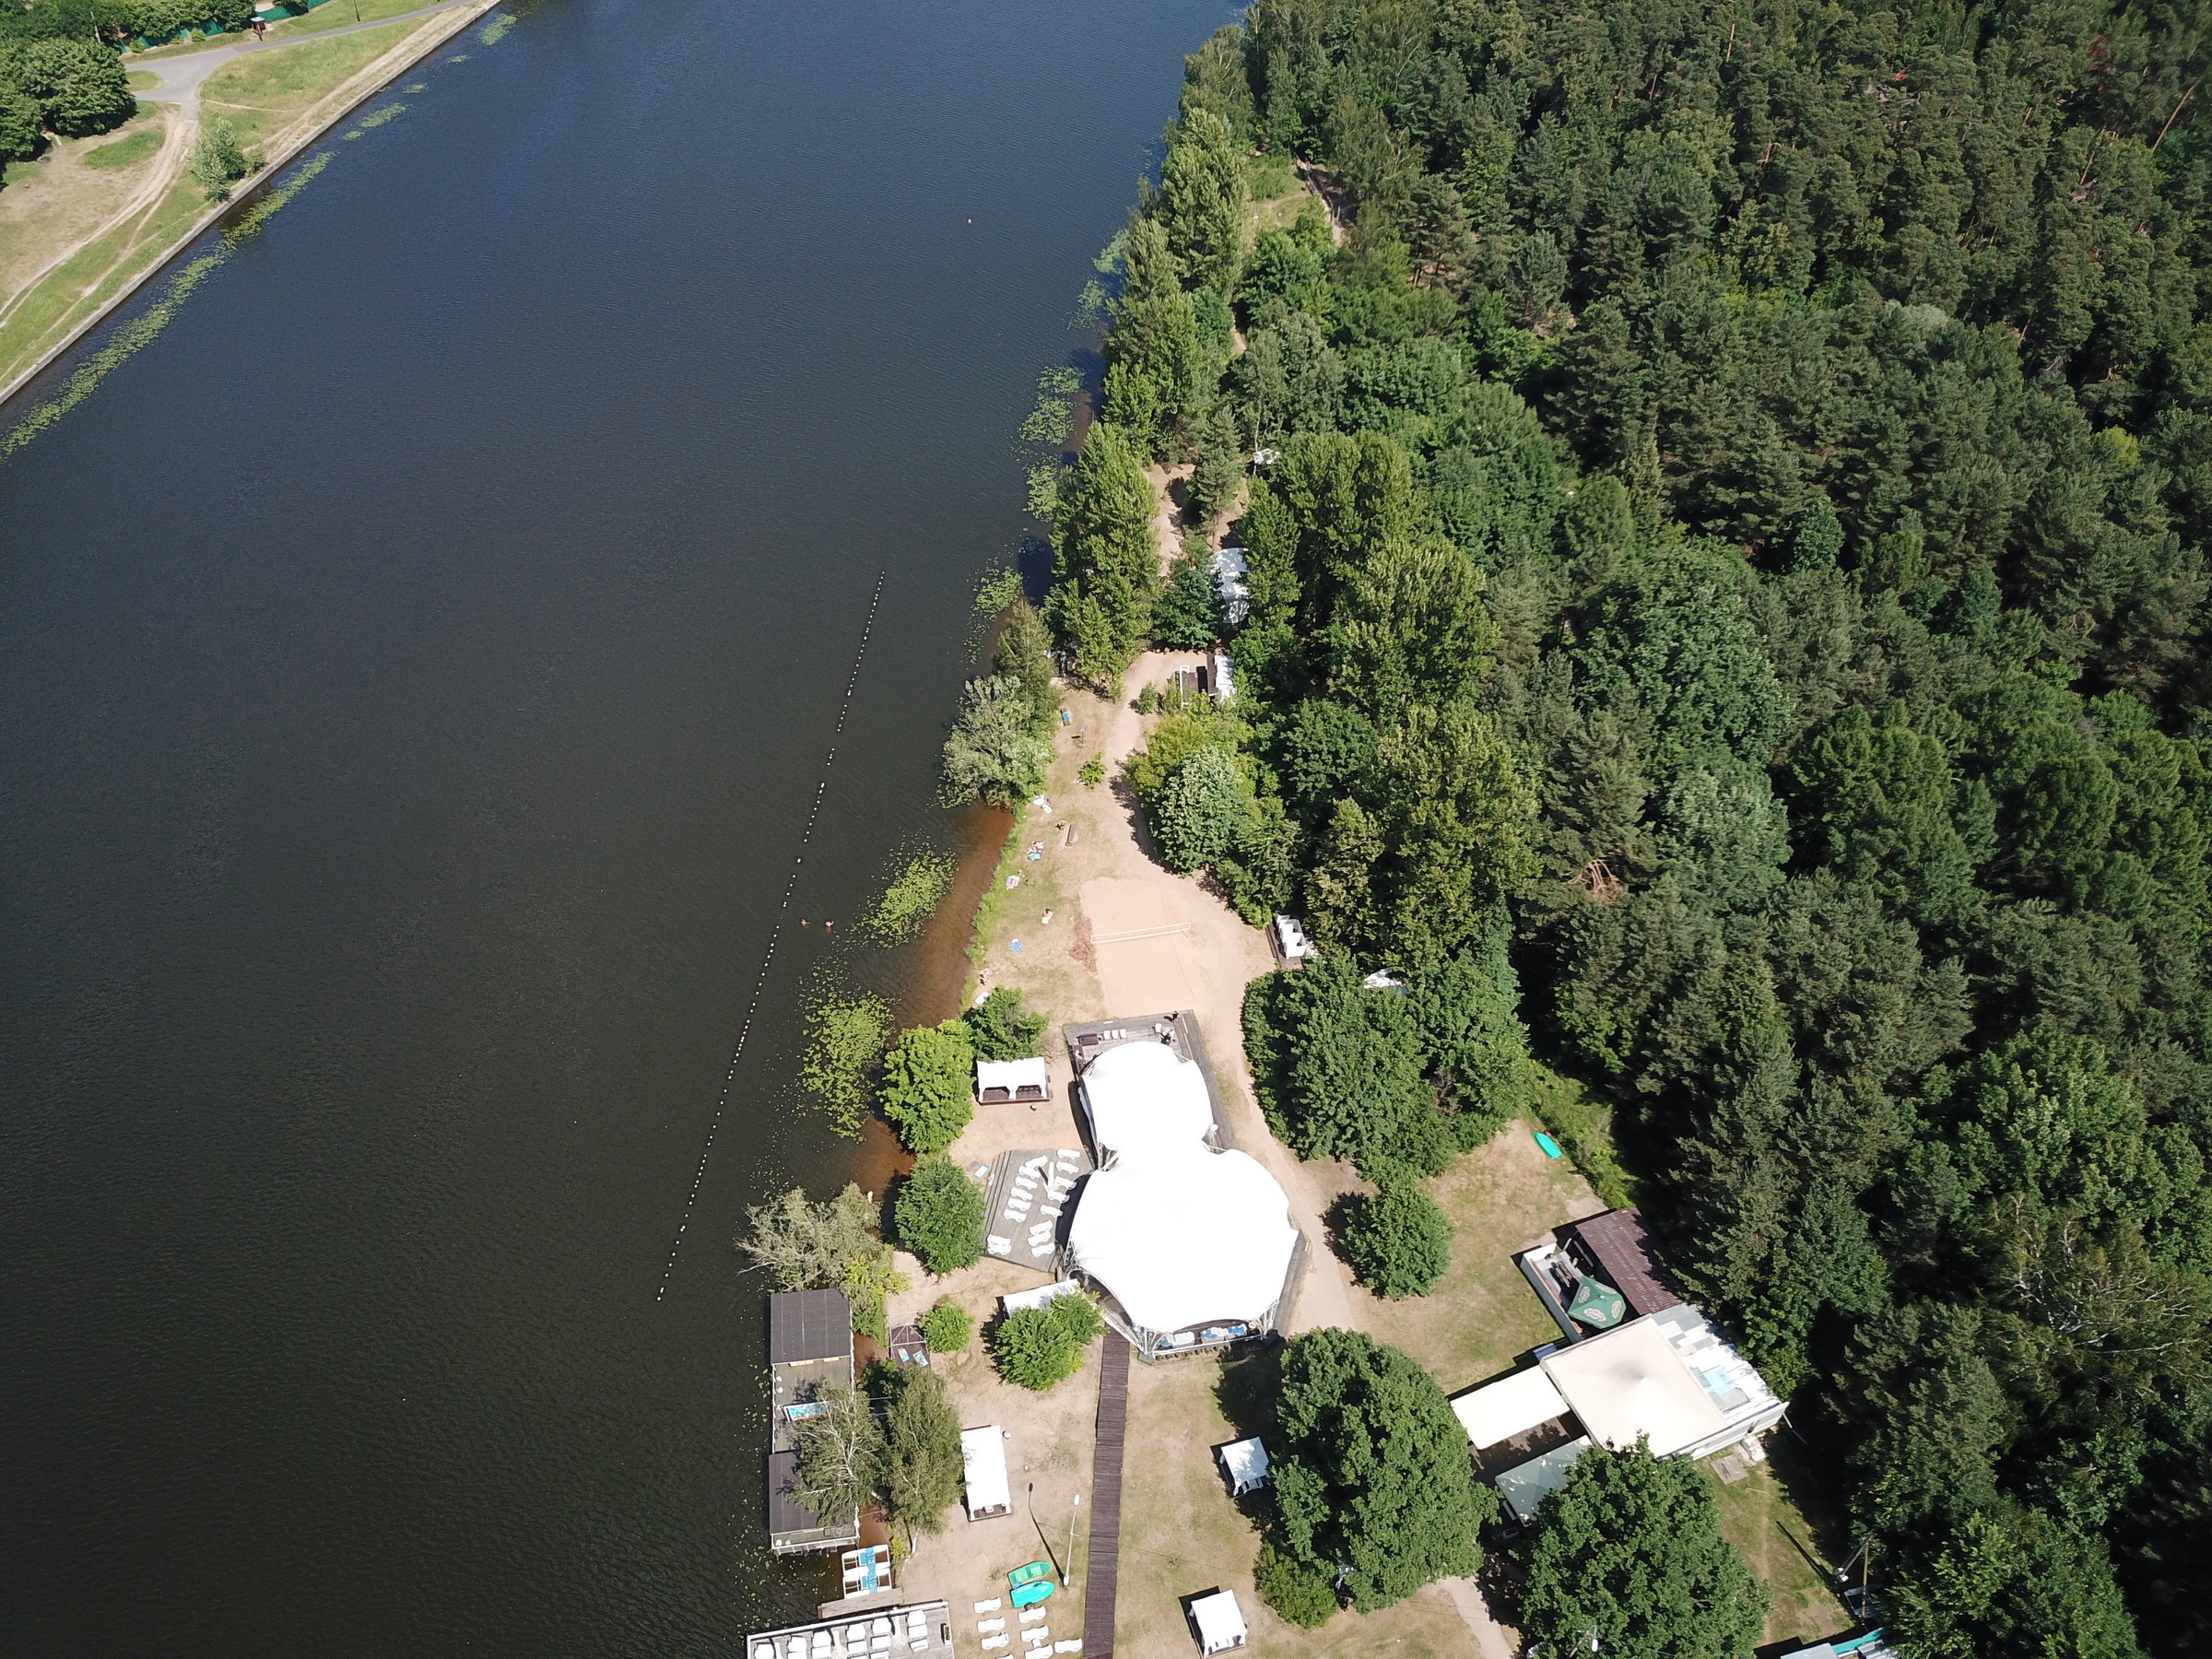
{"x":1106,"y":566}
{"x":1204,"y":201}
{"x":1155,"y":361}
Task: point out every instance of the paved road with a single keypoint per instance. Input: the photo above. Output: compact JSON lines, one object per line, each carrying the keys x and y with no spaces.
{"x":181,"y":75}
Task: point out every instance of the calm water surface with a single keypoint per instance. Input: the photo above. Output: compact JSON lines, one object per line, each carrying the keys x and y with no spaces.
{"x":415,"y":668}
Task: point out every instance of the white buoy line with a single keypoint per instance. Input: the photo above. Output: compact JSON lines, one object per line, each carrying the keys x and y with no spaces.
{"x":775,"y":933}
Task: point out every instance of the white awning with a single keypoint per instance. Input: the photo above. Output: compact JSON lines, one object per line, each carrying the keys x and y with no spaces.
{"x":1514,"y":1405}
{"x":1219,"y":1620}
{"x":1630,"y":1381}
{"x":1014,"y":1301}
{"x":1011,"y":1080}
{"x":1185,"y":1236}
{"x":983,"y":1469}
{"x":1140,"y":1095}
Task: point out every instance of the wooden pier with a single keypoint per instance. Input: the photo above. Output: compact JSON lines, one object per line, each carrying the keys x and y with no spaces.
{"x":1101,"y":1569}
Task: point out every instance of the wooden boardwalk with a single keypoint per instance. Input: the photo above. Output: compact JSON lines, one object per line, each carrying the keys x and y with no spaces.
{"x":1102,"y":1568}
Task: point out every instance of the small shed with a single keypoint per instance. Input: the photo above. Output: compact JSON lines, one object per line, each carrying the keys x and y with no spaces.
{"x":1290,"y":941}
{"x":1619,"y":1246}
{"x":1525,"y":1486}
{"x":983,"y":1472}
{"x":1244,"y":1465}
{"x":998,"y":1081}
{"x":1219,"y":1620}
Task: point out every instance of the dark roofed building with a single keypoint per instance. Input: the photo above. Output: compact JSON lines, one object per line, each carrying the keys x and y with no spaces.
{"x":792,"y":1527}
{"x":809,"y":1348}
{"x":809,"y":1325}
{"x":1618,"y":1245}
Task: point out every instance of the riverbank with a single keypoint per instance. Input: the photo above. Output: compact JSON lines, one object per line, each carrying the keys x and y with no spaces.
{"x":84,"y":235}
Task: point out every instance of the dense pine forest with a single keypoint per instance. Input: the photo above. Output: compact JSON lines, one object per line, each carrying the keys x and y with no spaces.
{"x":1726,"y":572}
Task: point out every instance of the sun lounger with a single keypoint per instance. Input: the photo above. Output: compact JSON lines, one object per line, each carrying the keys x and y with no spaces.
{"x":993,"y":1606}
{"x":999,"y":1246}
{"x":990,"y":1627}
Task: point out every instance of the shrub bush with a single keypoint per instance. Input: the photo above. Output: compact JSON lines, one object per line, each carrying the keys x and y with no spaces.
{"x":939,"y":1215}
{"x":1397,"y":1241}
{"x":1293,"y":1589}
{"x":1036,"y":1347}
{"x":947,"y":1328}
{"x":999,"y":1028}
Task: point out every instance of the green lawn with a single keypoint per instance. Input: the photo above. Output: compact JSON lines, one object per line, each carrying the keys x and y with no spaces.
{"x":142,"y":80}
{"x":264,"y":92}
{"x":1270,"y":176}
{"x":1482,"y":1316}
{"x":124,"y":151}
{"x":343,"y":14}
{"x":1790,"y":1536}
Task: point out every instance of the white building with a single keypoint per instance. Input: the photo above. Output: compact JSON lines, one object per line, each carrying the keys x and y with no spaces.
{"x":1670,"y":1378}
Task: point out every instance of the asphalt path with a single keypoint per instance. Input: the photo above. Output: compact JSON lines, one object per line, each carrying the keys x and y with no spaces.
{"x":181,"y":75}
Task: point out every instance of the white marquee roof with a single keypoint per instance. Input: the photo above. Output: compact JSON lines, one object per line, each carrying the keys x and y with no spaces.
{"x":1630,"y":1381}
{"x":1184,"y":1236}
{"x":1141,"y":1095}
{"x":1512,"y":1406}
{"x":983,"y":1470}
{"x":1220,"y":1622}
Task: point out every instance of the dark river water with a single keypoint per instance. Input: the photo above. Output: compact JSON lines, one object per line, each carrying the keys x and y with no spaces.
{"x":416,"y":666}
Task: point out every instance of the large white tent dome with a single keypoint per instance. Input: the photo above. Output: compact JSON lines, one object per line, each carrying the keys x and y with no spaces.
{"x":1184,"y":1236}
{"x":1143,"y":1094}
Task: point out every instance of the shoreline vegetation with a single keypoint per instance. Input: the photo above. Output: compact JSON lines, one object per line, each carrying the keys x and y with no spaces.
{"x":90,"y":217}
{"x":1720,"y":671}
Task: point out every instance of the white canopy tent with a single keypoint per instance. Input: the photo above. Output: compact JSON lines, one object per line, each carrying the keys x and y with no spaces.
{"x":1219,"y":1620}
{"x":1245,"y":1464}
{"x":1011,"y":1080}
{"x":1630,"y":1381}
{"x":1514,"y":1405}
{"x":983,"y":1470}
{"x":1184,"y":1236}
{"x":1141,"y":1095}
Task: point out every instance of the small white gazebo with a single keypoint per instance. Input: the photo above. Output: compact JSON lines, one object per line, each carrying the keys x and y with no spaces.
{"x":1244,"y":1462}
{"x":997,"y":1080}
{"x":1219,"y":1620}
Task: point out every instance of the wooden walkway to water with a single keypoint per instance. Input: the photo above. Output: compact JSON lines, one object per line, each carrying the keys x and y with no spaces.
{"x":1102,"y":1567}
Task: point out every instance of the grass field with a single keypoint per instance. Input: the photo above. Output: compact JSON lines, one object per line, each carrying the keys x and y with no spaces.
{"x":340,"y":14}
{"x":1790,"y":1536}
{"x":1482,"y":1316}
{"x":1182,"y":1535}
{"x":125,"y":151}
{"x":264,"y":92}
